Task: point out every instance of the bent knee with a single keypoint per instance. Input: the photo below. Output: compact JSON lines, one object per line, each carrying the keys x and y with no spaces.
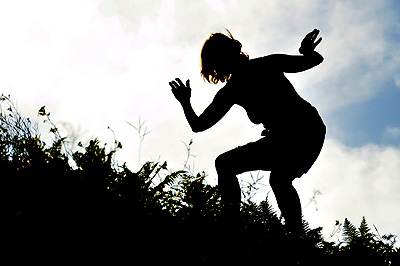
{"x":281,"y":179}
{"x":225,"y":163}
{"x":221,"y":162}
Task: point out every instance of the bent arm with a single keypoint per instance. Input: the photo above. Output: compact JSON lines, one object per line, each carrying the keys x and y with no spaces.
{"x":211,"y":115}
{"x":296,"y":63}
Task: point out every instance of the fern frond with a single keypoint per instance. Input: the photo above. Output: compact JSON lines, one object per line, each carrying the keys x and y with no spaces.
{"x":146,"y":171}
{"x":158,"y":169}
{"x":168,"y":181}
{"x":350,"y":232}
{"x":365,"y":231}
{"x":306,"y":227}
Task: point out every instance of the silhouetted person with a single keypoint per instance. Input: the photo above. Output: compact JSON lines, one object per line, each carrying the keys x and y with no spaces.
{"x":294,"y":132}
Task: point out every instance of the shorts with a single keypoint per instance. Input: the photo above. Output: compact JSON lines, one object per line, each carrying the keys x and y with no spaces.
{"x":292,"y":150}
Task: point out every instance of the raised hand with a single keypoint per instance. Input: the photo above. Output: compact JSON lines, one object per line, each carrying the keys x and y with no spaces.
{"x":307,"y":44}
{"x":181,"y":92}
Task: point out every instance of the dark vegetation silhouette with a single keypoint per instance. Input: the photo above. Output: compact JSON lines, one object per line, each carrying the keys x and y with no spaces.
{"x":82,"y":207}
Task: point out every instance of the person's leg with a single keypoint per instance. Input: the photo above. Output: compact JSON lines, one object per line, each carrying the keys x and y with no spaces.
{"x":253,"y":156}
{"x":228,"y":165}
{"x":228,"y":184}
{"x":288,"y":200}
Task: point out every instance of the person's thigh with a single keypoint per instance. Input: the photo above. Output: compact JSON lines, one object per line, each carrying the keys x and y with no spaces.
{"x":250,"y":157}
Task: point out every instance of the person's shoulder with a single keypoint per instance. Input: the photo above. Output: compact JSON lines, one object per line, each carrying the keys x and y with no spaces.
{"x":270,"y":58}
{"x":264,"y":61}
{"x":267,"y":63}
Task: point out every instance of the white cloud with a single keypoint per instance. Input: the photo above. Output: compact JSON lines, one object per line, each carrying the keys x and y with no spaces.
{"x":130,"y":13}
{"x":216,"y":5}
{"x":354,"y":182}
{"x":359,"y":58}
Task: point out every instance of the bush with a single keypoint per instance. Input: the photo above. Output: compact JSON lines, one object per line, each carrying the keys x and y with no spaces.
{"x":82,"y":205}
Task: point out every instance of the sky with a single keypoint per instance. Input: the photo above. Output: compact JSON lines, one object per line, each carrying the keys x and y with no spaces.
{"x":98,"y":64}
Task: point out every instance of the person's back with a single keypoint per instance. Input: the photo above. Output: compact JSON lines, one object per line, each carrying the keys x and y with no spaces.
{"x":268,"y":97}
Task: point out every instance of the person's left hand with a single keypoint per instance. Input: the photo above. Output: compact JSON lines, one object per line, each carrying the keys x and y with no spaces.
{"x":308,"y":44}
{"x":181,"y":92}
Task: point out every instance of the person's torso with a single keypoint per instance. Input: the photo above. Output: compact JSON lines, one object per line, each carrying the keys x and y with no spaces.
{"x":267,"y":95}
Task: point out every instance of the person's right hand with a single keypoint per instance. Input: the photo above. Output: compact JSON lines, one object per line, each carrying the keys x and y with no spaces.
{"x":307,"y":44}
{"x":181,"y":92}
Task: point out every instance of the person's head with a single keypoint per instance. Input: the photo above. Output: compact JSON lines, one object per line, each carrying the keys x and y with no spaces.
{"x":219,"y":56}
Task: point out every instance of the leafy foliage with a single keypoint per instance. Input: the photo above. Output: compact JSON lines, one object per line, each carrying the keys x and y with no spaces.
{"x":363,"y":246}
{"x":83,"y":200}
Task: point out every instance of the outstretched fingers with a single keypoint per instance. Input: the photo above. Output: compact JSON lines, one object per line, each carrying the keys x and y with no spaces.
{"x":314,"y":36}
{"x":180,"y":82}
{"x":181,"y":92}
{"x":177,"y":83}
{"x":173,"y":85}
{"x":318,"y":41}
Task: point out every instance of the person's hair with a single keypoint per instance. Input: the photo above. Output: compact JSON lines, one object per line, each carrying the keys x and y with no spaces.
{"x":219,"y":53}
